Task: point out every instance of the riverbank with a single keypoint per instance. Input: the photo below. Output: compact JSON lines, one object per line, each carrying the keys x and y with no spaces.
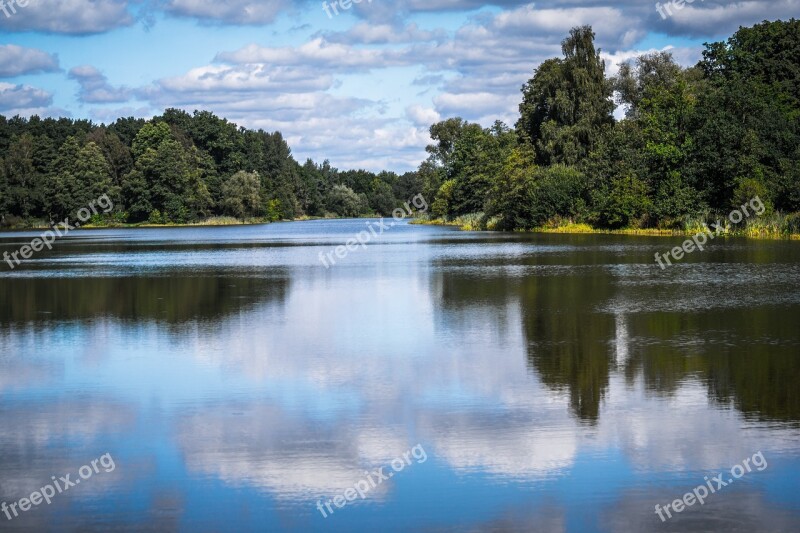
{"x":773,"y":229}
{"x":763,"y":230}
{"x":213,"y":221}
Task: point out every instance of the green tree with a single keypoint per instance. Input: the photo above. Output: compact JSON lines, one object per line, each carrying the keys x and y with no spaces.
{"x":381,"y":198}
{"x":242,"y":195}
{"x":567,"y":104}
{"x":622,"y":203}
{"x":344,"y":201}
{"x":25,"y":187}
{"x":161,"y":176}
{"x":442,"y":206}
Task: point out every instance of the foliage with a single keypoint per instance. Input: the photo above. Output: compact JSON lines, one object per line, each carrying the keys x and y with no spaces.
{"x":567,"y":104}
{"x":345,"y":202}
{"x":241,"y":195}
{"x":177,"y":168}
{"x":694,"y":140}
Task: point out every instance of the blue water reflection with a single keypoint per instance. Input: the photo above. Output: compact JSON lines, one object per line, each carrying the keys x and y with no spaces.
{"x":557,"y":383}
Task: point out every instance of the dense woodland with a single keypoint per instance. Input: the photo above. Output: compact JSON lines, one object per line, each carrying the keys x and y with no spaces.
{"x":695,"y":143}
{"x":175,"y":168}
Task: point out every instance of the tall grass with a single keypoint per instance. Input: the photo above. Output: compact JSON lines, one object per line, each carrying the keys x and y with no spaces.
{"x":775,"y":225}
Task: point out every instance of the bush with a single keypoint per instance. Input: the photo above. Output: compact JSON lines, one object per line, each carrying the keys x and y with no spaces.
{"x":792,"y":224}
{"x":623,"y":204}
{"x":442,"y":204}
{"x":558,"y":192}
{"x":273,"y":210}
{"x":746,"y":190}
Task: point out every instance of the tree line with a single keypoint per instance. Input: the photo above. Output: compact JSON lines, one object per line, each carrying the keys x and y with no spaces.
{"x":175,"y":168}
{"x":694,"y":142}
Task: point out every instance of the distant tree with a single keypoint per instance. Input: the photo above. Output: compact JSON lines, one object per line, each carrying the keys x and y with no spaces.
{"x":161,"y":176}
{"x":242,"y":195}
{"x":117,"y":154}
{"x":344,"y":201}
{"x":381,"y":198}
{"x":25,"y":185}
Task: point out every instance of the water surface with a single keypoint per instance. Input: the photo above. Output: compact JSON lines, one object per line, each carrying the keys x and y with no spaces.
{"x":554,"y":382}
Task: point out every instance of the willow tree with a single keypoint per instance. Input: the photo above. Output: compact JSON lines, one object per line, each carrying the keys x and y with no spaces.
{"x":567,"y":103}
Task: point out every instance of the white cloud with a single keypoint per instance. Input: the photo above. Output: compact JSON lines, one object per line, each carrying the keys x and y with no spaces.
{"x":95,"y":88}
{"x":422,"y":116}
{"x":21,"y":97}
{"x":723,"y":18}
{"x":240,"y":12}
{"x":318,"y":53}
{"x":17,"y":60}
{"x":74,"y":17}
{"x":366,"y":33}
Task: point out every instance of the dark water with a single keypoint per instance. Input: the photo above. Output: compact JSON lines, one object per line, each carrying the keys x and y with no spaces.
{"x":550,"y":382}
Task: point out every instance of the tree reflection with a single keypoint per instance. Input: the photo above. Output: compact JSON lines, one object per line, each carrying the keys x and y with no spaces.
{"x":173,"y":300}
{"x":568,"y":340}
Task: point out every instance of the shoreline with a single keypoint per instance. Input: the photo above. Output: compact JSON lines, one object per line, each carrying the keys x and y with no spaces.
{"x":570,"y":229}
{"x":211,"y":222}
{"x":585,"y":229}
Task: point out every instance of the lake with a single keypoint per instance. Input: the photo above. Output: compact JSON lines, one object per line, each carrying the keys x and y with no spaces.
{"x":223,"y":379}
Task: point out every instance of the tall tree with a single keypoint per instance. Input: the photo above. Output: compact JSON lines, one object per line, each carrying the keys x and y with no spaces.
{"x":567,"y":104}
{"x":25,"y":184}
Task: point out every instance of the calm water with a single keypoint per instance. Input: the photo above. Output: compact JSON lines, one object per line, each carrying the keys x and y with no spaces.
{"x":554,"y":383}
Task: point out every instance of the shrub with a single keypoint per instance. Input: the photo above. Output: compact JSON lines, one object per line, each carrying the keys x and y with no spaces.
{"x":623,"y":203}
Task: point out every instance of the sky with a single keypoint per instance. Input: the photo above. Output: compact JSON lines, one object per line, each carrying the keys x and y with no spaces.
{"x":358,"y":86}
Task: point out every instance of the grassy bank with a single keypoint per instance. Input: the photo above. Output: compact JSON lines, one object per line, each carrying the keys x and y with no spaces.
{"x":28,"y":225}
{"x":776,"y":226}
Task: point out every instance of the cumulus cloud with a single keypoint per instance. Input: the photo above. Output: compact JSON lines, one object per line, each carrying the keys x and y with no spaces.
{"x":108,"y":115}
{"x":17,"y":61}
{"x":247,"y":78}
{"x":95,"y":88}
{"x":237,"y":12}
{"x":318,"y":53}
{"x":477,"y":103}
{"x":715,"y":17}
{"x":20,"y":97}
{"x":366,"y":33}
{"x":422,"y":116}
{"x":613,"y":26}
{"x":73,"y":17}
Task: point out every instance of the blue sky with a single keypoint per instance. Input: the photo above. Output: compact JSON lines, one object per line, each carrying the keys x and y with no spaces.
{"x":359,"y":88}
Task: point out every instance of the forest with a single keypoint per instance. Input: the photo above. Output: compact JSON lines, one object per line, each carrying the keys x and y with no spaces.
{"x":176,"y":168}
{"x":694,"y":143}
